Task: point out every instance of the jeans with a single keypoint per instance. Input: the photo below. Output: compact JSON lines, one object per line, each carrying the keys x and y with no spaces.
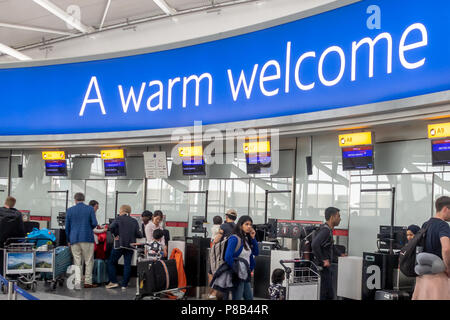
{"x":112,"y":263}
{"x":83,"y":251}
{"x":242,"y":290}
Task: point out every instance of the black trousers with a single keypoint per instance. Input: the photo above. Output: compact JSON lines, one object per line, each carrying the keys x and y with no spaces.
{"x":327,"y":290}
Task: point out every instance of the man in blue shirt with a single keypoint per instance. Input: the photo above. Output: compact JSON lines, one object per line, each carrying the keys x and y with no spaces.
{"x":80,"y":223}
{"x":437,"y":242}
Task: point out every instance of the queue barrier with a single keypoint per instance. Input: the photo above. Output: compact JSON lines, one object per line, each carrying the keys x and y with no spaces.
{"x":16,"y":289}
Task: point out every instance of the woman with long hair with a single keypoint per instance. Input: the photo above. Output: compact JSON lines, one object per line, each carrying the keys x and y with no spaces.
{"x":240,"y":255}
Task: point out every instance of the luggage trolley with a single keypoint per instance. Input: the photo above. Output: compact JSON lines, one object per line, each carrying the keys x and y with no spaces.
{"x":62,"y":259}
{"x":305,"y":282}
{"x":178,"y":293}
{"x":19,"y":260}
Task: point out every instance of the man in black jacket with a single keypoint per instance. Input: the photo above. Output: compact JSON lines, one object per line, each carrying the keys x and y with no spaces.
{"x":11,"y":225}
{"x":325,"y":252}
{"x":125,"y":230}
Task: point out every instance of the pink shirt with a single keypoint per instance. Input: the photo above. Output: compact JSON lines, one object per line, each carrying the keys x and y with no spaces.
{"x":149,"y":228}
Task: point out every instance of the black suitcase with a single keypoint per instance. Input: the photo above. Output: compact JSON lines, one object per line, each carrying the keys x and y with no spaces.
{"x":155,"y":276}
{"x":391,"y":295}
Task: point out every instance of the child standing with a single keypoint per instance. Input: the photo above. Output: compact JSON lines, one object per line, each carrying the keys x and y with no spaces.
{"x":276,"y":289}
{"x":217,"y":220}
{"x":157,"y":249}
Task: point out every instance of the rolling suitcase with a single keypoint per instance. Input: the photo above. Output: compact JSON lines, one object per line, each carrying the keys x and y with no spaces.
{"x":166,"y":274}
{"x":155,"y":276}
{"x":100,"y":272}
{"x":391,"y":295}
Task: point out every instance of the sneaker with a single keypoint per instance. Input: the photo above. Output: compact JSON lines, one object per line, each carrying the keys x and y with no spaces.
{"x":124,"y":288}
{"x":111,"y":285}
{"x":77,"y":286}
{"x":212,"y":296}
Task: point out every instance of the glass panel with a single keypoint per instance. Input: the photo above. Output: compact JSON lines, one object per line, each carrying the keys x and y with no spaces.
{"x":96,"y":190}
{"x":278,"y":204}
{"x":369,"y":210}
{"x":167,"y":196}
{"x":135,"y":200}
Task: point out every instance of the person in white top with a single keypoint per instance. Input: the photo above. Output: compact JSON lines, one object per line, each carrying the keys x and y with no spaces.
{"x":152,"y":226}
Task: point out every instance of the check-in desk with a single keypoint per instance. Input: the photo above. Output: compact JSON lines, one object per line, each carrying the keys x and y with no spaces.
{"x":359,"y":278}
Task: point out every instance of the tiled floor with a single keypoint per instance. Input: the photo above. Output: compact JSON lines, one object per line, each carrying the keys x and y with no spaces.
{"x":63,"y":293}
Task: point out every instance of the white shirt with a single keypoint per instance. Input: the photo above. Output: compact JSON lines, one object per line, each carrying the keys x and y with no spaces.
{"x":214,"y":231}
{"x":245,"y":254}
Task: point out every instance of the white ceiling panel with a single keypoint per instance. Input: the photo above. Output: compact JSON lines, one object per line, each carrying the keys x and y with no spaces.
{"x":180,"y":5}
{"x":28,"y":13}
{"x":121,"y":10}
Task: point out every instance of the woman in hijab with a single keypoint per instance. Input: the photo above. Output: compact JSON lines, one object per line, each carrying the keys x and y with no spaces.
{"x":411,"y":231}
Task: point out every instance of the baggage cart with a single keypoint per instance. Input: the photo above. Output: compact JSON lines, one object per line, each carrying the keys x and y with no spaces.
{"x":19,"y":259}
{"x":302,"y":280}
{"x":62,"y":259}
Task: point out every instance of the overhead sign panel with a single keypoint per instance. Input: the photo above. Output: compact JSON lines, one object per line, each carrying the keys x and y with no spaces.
{"x":53,"y":155}
{"x":355,"y":139}
{"x":112,"y":154}
{"x":256,"y":147}
{"x":439,"y":130}
{"x":191,"y":151}
{"x":355,"y":56}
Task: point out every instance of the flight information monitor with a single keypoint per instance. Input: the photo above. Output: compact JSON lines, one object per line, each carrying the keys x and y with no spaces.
{"x":357,"y":158}
{"x":194,"y":166}
{"x":115,"y":167}
{"x":257,"y":156}
{"x":440,"y":152}
{"x":258,"y":164}
{"x":55,"y":168}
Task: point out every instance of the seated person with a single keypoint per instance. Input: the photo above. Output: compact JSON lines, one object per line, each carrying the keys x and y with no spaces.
{"x":156,"y":249}
{"x":276,"y":289}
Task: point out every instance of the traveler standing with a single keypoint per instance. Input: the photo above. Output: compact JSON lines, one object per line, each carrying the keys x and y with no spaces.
{"x":217,"y":221}
{"x":411,"y":231}
{"x":18,"y":229}
{"x":227,"y":228}
{"x":11,"y":225}
{"x":162,"y":224}
{"x":153,"y":225}
{"x":437,"y":242}
{"x":97,"y":230}
{"x":80,"y":222}
{"x":242,"y":260}
{"x":146,"y":217}
{"x":325,"y":253}
{"x":126,"y":230}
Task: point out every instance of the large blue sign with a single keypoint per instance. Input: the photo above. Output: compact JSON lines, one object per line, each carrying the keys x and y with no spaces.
{"x":367,"y":52}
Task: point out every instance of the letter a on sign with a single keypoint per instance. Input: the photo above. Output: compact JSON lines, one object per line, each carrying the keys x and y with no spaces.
{"x":374,"y":21}
{"x":374,"y":280}
{"x":98,"y":100}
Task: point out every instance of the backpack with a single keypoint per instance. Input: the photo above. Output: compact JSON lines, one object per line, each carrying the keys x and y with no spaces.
{"x":407,"y":258}
{"x":217,"y":253}
{"x":307,"y":235}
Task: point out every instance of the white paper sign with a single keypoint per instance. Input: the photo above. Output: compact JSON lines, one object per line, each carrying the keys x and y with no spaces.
{"x":155,"y":165}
